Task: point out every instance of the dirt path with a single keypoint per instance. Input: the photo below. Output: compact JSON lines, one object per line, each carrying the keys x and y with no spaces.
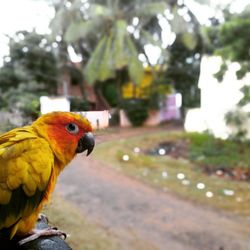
{"x":144,"y":218}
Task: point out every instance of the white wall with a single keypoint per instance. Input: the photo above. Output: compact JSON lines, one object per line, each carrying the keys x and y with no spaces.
{"x":98,"y":119}
{"x":217,"y":98}
{"x":50,"y":104}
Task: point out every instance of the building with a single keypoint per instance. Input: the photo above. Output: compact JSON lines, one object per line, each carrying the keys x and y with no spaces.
{"x":217,"y":98}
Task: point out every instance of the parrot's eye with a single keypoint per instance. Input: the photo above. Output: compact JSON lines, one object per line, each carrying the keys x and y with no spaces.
{"x":72,"y":128}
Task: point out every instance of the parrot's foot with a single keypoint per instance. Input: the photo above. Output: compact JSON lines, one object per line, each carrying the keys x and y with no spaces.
{"x":37,"y":233}
{"x":43,"y":217}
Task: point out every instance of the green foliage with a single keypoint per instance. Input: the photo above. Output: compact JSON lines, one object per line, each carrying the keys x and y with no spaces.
{"x":183,"y":71}
{"x":19,"y":99}
{"x":109,"y":91}
{"x":77,"y":104}
{"x":220,"y":74}
{"x":230,"y":40}
{"x":206,"y":149}
{"x":109,"y":40}
{"x":120,"y":32}
{"x":237,"y":120}
{"x":114,"y":52}
{"x":189,"y":40}
{"x":136,"y":110}
{"x":113,"y":47}
{"x":150,"y":9}
{"x":28,"y":72}
{"x":246,"y":96}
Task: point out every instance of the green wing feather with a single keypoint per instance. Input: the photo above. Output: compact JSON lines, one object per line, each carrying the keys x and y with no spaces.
{"x":26,"y":162}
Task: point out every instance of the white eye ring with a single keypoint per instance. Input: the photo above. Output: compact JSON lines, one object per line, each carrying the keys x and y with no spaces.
{"x":72,"y":128}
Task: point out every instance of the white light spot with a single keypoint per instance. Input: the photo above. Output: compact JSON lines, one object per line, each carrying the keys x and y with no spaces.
{"x":54,"y":45}
{"x":7,"y":59}
{"x":178,"y":99}
{"x":209,"y":194}
{"x":164,"y":174}
{"x":168,"y":14}
{"x":200,"y":185}
{"x":44,"y":41}
{"x":73,"y":56}
{"x":86,"y":5}
{"x":219,"y":172}
{"x":25,"y":49}
{"x":137,"y":150}
{"x":68,"y":4}
{"x":21,"y":36}
{"x":180,"y":176}
{"x":161,"y":151}
{"x":58,"y":38}
{"x":228,"y":192}
{"x":187,"y":18}
{"x":153,"y":53}
{"x":125,"y":157}
{"x":239,"y":199}
{"x":136,"y":34}
{"x":142,"y":58}
{"x":135,"y":21}
{"x":130,"y":29}
{"x":185,"y":182}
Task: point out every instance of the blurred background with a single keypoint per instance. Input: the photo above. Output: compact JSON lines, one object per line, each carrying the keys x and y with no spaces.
{"x":166,"y":86}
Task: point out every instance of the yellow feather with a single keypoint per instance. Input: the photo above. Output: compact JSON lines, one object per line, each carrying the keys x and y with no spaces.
{"x":5,"y":194}
{"x":31,"y":158}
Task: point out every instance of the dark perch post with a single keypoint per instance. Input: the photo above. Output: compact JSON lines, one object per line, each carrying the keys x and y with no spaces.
{"x":42,"y":243}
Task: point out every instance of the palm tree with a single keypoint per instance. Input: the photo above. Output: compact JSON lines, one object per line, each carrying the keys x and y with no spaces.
{"x":109,"y":35}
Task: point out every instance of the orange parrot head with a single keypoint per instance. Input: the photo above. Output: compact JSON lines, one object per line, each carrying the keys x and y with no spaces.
{"x":67,"y":133}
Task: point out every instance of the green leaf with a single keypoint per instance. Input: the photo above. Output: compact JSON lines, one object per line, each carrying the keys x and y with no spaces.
{"x":106,"y":69}
{"x":150,"y":39}
{"x":80,"y":29}
{"x":98,"y":10}
{"x":151,"y":9}
{"x":135,"y":68}
{"x":189,"y":40}
{"x":60,"y":21}
{"x":120,"y":58}
{"x":93,"y":65}
{"x":178,"y":24}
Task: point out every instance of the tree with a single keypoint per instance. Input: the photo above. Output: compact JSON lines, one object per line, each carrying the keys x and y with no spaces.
{"x":29,"y":71}
{"x":231,"y":41}
{"x":108,"y":34}
{"x":183,"y":72}
{"x":185,"y":55}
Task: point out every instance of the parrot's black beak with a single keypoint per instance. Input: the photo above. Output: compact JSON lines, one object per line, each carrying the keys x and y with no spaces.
{"x":87,"y":142}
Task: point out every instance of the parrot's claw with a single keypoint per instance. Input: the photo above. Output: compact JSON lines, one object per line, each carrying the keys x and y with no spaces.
{"x":37,"y":233}
{"x":43,"y":217}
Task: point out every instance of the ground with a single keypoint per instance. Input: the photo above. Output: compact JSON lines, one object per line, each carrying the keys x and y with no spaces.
{"x":145,"y":218}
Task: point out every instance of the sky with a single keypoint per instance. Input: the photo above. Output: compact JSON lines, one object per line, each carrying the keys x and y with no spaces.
{"x":22,"y":14}
{"x":30,"y":14}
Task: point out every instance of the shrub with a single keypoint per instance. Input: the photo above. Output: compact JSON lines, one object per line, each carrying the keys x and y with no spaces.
{"x":136,"y":110}
{"x":77,"y":104}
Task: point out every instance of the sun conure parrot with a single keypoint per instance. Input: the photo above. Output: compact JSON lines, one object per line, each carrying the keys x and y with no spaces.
{"x":31,"y":159}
